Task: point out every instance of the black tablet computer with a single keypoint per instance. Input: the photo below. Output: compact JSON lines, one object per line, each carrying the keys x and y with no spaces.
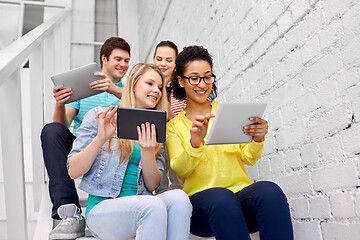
{"x":129,"y":118}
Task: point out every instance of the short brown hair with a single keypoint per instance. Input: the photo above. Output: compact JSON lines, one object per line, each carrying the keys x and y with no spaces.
{"x":110,"y":44}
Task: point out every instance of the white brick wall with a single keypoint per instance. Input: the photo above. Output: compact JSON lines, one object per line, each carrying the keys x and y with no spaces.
{"x":306,"y":230}
{"x":320,"y":207}
{"x":302,"y":57}
{"x":342,"y":205}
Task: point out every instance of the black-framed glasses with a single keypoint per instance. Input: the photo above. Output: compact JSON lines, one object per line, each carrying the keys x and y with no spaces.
{"x":195,"y":80}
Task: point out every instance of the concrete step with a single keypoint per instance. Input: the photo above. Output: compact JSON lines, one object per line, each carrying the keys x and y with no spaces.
{"x":44,"y":223}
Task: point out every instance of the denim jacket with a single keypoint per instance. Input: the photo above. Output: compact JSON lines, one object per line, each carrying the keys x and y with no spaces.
{"x":169,"y":179}
{"x":106,"y":175}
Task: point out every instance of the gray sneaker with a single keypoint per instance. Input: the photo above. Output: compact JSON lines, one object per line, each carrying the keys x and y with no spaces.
{"x":72,"y":224}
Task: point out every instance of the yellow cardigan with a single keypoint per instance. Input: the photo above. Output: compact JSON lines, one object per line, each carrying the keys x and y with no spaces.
{"x":208,"y":166}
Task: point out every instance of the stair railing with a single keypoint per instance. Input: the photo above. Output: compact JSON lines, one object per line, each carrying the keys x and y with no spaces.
{"x":47,"y":51}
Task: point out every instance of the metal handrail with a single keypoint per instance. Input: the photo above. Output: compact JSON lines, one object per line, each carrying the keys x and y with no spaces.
{"x":12,"y":56}
{"x":44,"y":4}
{"x":44,"y":47}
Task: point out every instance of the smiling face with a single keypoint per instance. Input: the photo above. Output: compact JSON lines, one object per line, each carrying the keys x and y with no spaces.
{"x":117,"y":65}
{"x":148,"y":90}
{"x":165,"y":59}
{"x":200,"y":92}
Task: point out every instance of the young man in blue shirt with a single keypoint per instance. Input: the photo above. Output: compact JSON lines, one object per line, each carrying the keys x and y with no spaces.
{"x":57,"y":139}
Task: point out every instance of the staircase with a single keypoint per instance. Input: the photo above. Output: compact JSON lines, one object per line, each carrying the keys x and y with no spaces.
{"x":46,"y":49}
{"x":44,"y":223}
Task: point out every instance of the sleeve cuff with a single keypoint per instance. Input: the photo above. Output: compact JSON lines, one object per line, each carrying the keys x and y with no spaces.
{"x":262,"y":141}
{"x":195,"y":152}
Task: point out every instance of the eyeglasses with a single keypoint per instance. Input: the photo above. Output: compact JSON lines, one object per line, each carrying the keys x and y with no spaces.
{"x":195,"y":80}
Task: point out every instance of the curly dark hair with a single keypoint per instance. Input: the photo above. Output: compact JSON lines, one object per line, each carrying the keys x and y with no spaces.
{"x":187,"y":55}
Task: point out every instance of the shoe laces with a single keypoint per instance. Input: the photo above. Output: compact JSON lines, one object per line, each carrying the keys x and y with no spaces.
{"x":70,"y":220}
{"x":68,"y":214}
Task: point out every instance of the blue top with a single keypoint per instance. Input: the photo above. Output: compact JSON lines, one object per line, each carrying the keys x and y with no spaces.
{"x":84,"y":105}
{"x":105,"y":177}
{"x":129,"y":187}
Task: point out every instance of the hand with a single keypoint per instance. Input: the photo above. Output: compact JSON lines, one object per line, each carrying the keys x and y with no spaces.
{"x":199,"y":129}
{"x":104,"y":84}
{"x":107,"y":124}
{"x":62,"y":94}
{"x":147,"y":137}
{"x":257,"y":131}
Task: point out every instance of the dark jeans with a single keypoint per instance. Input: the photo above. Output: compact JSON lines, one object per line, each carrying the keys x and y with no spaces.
{"x":262,"y":207}
{"x":56,"y":142}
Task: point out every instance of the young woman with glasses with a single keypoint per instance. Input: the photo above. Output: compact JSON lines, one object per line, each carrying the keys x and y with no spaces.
{"x":226,"y":204}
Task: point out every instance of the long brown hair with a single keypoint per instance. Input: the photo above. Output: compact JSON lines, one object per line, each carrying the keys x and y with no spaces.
{"x":169,"y":44}
{"x":128,"y":101}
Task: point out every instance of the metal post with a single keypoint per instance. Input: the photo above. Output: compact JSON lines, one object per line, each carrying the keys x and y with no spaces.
{"x":21,"y":19}
{"x":36,"y":118}
{"x":12,"y":155}
{"x":49,"y":69}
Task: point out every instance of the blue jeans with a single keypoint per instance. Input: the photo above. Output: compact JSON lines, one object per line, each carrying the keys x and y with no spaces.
{"x":165,"y":216}
{"x":262,"y":207}
{"x":56,"y":143}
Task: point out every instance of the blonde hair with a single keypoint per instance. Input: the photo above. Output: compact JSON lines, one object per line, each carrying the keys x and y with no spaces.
{"x":128,"y":101}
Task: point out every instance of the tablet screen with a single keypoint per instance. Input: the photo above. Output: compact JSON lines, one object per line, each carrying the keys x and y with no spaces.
{"x":129,"y":118}
{"x":230,"y":119}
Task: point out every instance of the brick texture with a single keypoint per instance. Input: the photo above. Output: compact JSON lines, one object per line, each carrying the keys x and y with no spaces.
{"x":303,"y":59}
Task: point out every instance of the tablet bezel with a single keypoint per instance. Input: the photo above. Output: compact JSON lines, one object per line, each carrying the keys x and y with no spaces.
{"x":129,"y":118}
{"x":227,"y":126}
{"x":78,"y":79}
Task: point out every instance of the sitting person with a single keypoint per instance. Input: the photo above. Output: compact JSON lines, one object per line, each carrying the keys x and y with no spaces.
{"x":120,"y":175}
{"x":56,"y":139}
{"x":164,"y":57}
{"x":226,"y":204}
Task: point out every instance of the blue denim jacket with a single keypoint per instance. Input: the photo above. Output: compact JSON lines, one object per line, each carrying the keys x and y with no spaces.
{"x":106,"y":175}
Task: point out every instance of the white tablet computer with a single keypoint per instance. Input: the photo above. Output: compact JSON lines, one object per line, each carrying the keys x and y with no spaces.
{"x":230,"y":120}
{"x":129,"y":118}
{"x":78,"y":79}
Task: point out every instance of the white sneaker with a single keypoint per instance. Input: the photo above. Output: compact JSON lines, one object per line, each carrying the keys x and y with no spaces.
{"x":72,"y":224}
